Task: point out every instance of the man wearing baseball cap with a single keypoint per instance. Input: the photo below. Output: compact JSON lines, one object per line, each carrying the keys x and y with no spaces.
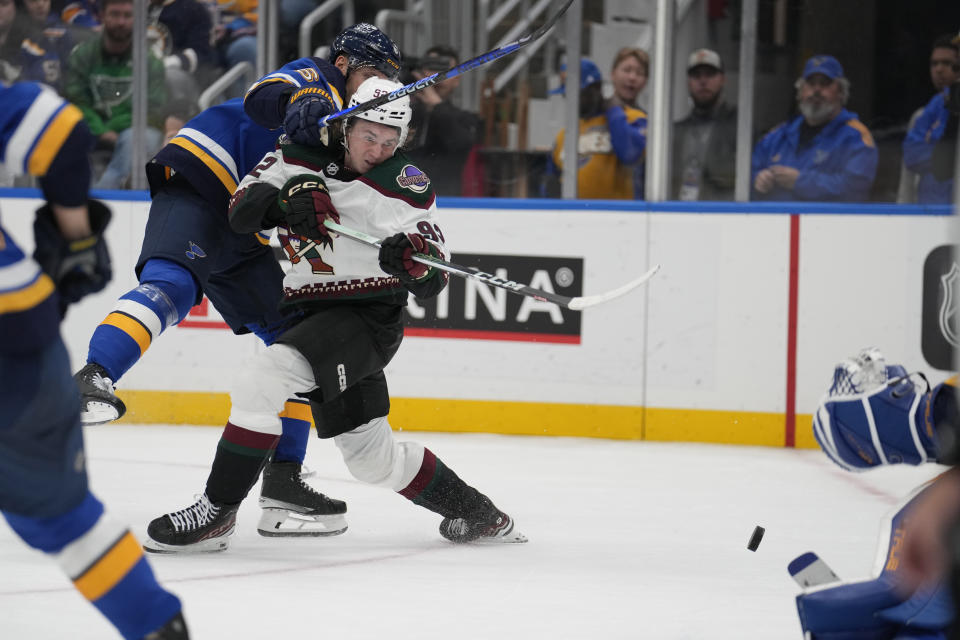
{"x":611,"y":144}
{"x":825,"y":153}
{"x":705,"y":144}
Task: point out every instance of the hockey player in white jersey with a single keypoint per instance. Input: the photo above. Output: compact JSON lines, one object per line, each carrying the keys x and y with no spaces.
{"x":352,"y":301}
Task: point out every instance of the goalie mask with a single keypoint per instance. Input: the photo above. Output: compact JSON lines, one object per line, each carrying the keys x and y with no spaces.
{"x":366,"y":46}
{"x":395,"y":114}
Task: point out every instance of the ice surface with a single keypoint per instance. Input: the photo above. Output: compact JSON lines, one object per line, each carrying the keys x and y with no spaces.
{"x":627,"y":540}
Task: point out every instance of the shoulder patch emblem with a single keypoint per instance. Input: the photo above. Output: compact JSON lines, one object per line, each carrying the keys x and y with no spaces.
{"x":412,"y":178}
{"x":331,"y":169}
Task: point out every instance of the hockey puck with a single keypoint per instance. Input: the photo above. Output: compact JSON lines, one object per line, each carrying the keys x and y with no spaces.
{"x":755,"y":538}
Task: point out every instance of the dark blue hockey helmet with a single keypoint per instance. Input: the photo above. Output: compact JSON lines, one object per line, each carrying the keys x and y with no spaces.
{"x":366,"y":46}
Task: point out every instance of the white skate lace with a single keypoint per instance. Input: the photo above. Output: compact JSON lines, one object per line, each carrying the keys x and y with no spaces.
{"x":194,"y":516}
{"x":459,"y":527}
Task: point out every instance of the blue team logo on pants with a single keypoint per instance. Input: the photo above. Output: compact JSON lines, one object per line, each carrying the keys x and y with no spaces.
{"x":195,"y":251}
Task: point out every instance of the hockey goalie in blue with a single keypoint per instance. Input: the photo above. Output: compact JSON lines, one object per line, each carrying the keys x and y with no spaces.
{"x":44,"y":494}
{"x":877,"y":414}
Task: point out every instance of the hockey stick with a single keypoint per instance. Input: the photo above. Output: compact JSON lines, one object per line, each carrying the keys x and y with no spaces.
{"x":809,"y":570}
{"x":575,"y":303}
{"x":463,"y":67}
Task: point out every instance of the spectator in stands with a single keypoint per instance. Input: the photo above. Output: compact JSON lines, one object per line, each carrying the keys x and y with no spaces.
{"x":927,"y":126}
{"x":235,"y":34}
{"x":611,"y":143}
{"x":824,"y":154}
{"x":79,"y":13}
{"x":442,"y":134}
{"x":25,"y":54}
{"x":179,"y":32}
{"x":705,"y":142}
{"x":631,"y":68}
{"x":99,"y":81}
{"x":61,"y":36}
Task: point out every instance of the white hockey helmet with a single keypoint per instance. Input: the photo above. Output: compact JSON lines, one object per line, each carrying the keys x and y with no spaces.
{"x":396,"y":113}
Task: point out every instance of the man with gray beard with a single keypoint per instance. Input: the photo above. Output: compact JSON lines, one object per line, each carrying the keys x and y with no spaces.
{"x":825,"y":153}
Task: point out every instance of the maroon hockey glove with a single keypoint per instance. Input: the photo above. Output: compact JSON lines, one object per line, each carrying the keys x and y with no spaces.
{"x":396,"y":257}
{"x":305,"y":203}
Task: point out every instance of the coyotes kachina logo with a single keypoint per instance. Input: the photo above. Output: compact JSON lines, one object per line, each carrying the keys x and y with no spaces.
{"x":298,"y":248}
{"x":940,"y":330}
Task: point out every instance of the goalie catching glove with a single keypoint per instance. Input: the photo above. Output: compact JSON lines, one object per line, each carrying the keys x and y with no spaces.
{"x":396,"y":257}
{"x":876,"y":414}
{"x":305,"y":203}
{"x":78,"y":267}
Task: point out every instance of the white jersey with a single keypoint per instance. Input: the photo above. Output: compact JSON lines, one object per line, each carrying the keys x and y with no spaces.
{"x":391,"y":198}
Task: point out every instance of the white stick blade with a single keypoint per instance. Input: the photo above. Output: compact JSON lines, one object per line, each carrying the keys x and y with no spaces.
{"x":584,"y":302}
{"x":808,"y":570}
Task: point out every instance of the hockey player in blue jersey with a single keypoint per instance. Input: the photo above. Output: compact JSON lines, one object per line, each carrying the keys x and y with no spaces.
{"x":189,"y":250}
{"x":874,"y":415}
{"x":44,"y":495}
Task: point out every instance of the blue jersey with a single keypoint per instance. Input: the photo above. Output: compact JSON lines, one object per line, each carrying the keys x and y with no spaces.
{"x":918,"y":150}
{"x":213,"y":152}
{"x":837,"y":164}
{"x":34,"y":126}
{"x":266,"y":100}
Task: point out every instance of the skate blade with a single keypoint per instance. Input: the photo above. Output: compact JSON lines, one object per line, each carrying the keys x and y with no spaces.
{"x":281,"y":523}
{"x":95,"y":413}
{"x":514,"y":537}
{"x":204,"y":546}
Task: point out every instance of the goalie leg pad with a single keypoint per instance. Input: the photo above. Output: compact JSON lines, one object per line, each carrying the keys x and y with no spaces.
{"x":876,"y":608}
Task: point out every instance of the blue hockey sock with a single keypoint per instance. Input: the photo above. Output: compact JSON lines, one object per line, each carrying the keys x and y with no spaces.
{"x":296,"y":420}
{"x":163,"y":298}
{"x":105,"y":563}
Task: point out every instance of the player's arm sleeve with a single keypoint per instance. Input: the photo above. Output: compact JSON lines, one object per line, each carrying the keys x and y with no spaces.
{"x":852,"y":182}
{"x":254,"y":207}
{"x":67,"y":180}
{"x":266,"y":100}
{"x":629,"y":139}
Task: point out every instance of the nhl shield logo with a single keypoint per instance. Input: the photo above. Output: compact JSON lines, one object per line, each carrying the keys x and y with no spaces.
{"x":948,"y":308}
{"x":940,"y":322}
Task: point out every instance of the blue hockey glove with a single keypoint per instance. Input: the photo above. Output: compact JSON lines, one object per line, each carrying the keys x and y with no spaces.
{"x":78,"y":268}
{"x":304,"y":112}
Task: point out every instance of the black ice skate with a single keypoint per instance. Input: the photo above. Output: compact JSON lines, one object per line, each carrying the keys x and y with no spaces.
{"x":487,"y":525}
{"x":175,"y":629}
{"x":202,"y":527}
{"x":291,"y":507}
{"x":98,"y":402}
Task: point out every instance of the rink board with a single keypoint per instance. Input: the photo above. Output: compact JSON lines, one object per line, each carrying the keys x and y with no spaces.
{"x":700,"y":354}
